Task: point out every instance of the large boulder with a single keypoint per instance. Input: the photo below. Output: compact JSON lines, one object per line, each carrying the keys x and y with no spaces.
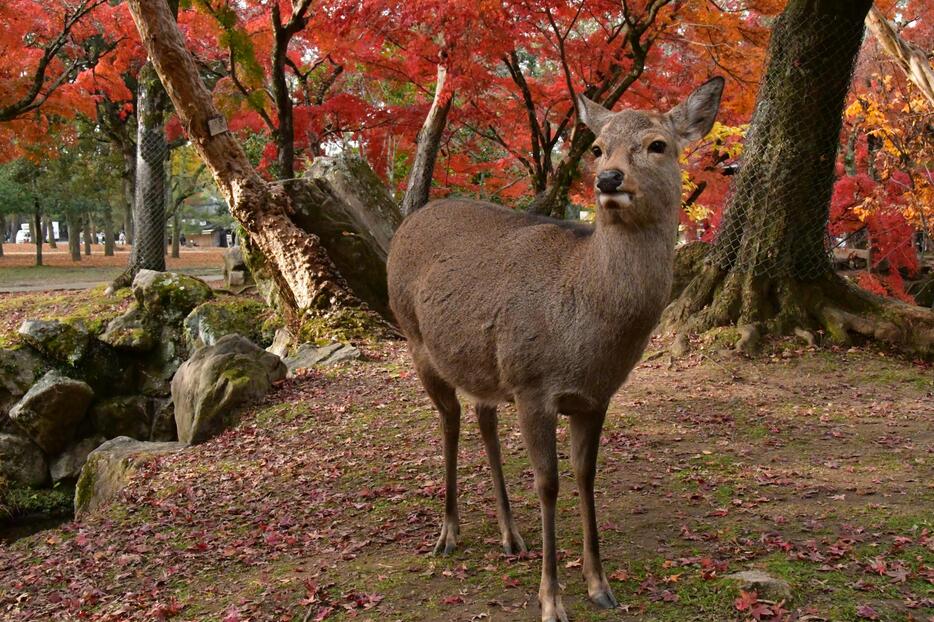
{"x":160,"y":365}
{"x":123,"y":416}
{"x":51,"y":410}
{"x":22,"y":462}
{"x":58,"y":341}
{"x":67,"y":466}
{"x":19,"y":369}
{"x":132,"y":331}
{"x":163,"y":420}
{"x":168,"y":296}
{"x":214,"y":319}
{"x":210,"y":386}
{"x":308,"y":355}
{"x":109,"y":468}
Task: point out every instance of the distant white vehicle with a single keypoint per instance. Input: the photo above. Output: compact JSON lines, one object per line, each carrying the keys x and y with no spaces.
{"x":23,"y":237}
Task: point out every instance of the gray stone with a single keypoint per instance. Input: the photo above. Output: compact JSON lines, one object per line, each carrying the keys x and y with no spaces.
{"x":168,"y":296}
{"x":67,"y":466}
{"x":130,"y":331}
{"x":22,"y":462}
{"x":61,"y":342}
{"x":763,"y":584}
{"x":236,"y":278}
{"x":236,"y":272}
{"x":51,"y":410}
{"x":123,"y":416}
{"x":212,"y":320}
{"x":281,"y":343}
{"x":19,"y":369}
{"x":308,"y":355}
{"x":108,"y":470}
{"x":163,"y":420}
{"x":210,"y":386}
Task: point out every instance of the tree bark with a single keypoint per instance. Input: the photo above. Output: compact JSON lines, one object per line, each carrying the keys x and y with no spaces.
{"x":74,"y":239}
{"x":176,"y":244}
{"x":37,"y":232}
{"x":88,"y":235}
{"x":427,"y":146}
{"x":769,"y":265}
{"x":305,"y":276}
{"x":108,"y":232}
{"x":50,"y":232}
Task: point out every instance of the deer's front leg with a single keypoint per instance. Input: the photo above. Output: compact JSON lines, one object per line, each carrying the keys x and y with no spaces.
{"x":585,"y":443}
{"x":538,"y":432}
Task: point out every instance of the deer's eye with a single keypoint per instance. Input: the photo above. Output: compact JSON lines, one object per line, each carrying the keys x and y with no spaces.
{"x":596,"y":151}
{"x":657,"y":146}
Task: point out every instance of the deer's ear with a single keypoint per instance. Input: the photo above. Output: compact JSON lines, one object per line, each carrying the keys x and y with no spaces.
{"x":694,"y":117}
{"x":592,"y":114}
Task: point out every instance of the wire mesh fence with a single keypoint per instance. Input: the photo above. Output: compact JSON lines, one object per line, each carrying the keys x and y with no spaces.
{"x":149,"y":244}
{"x":776,"y":211}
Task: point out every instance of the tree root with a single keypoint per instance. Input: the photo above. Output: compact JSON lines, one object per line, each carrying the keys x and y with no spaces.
{"x":826,"y":310}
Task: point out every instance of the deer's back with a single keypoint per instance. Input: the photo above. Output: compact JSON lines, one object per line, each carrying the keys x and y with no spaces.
{"x":484,"y":293}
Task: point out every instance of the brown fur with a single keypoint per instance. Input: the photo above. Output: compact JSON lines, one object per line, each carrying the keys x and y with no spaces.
{"x":505,"y":306}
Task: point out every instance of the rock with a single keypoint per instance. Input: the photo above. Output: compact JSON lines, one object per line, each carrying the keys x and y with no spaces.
{"x":130,"y":331}
{"x":67,"y":466}
{"x":163,"y":420}
{"x":236,"y":272}
{"x":123,"y":416}
{"x":806,"y":336}
{"x":50,"y":411}
{"x":681,"y":346}
{"x":689,"y":261}
{"x":308,"y":355}
{"x":922,"y":290}
{"x":108,"y":370}
{"x":215,"y":381}
{"x":22,"y":462}
{"x":281,"y":343}
{"x":168,"y":296}
{"x":61,"y":342}
{"x":161,"y":364}
{"x":763,"y":584}
{"x":19,"y":369}
{"x":109,"y":468}
{"x":227,"y":316}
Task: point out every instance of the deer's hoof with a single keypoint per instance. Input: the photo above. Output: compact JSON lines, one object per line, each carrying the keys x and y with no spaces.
{"x":604,"y":599}
{"x":447,"y":541}
{"x":513,"y":544}
{"x":553,"y":610}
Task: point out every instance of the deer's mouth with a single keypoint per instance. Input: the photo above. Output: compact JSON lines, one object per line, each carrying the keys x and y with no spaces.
{"x":616,"y":200}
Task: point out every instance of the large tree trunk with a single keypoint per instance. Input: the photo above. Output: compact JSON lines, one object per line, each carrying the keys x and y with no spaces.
{"x":306,"y":278}
{"x":108,"y":232}
{"x":74,"y":240}
{"x":427,"y":146}
{"x":149,"y":203}
{"x":769,"y":267}
{"x":49,"y":232}
{"x":129,"y":192}
{"x":176,"y":244}
{"x":88,"y":235}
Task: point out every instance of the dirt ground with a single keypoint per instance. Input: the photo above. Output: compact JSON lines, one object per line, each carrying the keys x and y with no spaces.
{"x":815,"y":466}
{"x":18,"y":269}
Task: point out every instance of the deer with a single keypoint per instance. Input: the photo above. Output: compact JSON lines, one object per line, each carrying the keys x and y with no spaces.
{"x":509,"y":307}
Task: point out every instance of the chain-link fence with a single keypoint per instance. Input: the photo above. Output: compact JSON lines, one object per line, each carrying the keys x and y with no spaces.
{"x":776,"y":215}
{"x":152,"y":194}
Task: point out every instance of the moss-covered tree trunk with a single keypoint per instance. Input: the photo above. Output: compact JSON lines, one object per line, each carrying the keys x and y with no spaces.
{"x":769,"y":266}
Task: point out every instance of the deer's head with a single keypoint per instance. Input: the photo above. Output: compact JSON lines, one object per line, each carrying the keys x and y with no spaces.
{"x":638,"y":180}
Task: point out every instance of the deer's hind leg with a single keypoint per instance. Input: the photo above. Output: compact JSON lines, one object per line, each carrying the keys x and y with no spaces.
{"x":512,"y":541}
{"x":444,"y":398}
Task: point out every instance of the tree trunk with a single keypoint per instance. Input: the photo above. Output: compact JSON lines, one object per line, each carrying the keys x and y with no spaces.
{"x":3,"y":234}
{"x":427,"y":146}
{"x":74,"y":241}
{"x":149,"y":204}
{"x":49,"y":232}
{"x":37,"y":233}
{"x":176,"y":223}
{"x":769,"y":266}
{"x":304,"y":275}
{"x":88,"y":226}
{"x":129,"y":192}
{"x":108,"y":232}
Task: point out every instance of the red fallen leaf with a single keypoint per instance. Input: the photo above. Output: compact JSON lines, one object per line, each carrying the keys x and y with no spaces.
{"x":574,"y":563}
{"x":232,"y":615}
{"x":719,"y":512}
{"x":509,"y":581}
{"x":452,"y":600}
{"x":669,"y":597}
{"x":746,"y":600}
{"x":878,"y":566}
{"x":620,"y":575}
{"x":867,"y":612}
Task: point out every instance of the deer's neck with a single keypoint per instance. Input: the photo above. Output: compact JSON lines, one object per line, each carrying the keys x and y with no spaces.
{"x":627,"y":271}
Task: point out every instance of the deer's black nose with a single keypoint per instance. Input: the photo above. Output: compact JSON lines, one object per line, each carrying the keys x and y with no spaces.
{"x":610,"y":181}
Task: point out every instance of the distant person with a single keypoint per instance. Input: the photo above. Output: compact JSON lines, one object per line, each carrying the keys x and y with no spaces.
{"x":122,"y":239}
{"x":181,"y":239}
